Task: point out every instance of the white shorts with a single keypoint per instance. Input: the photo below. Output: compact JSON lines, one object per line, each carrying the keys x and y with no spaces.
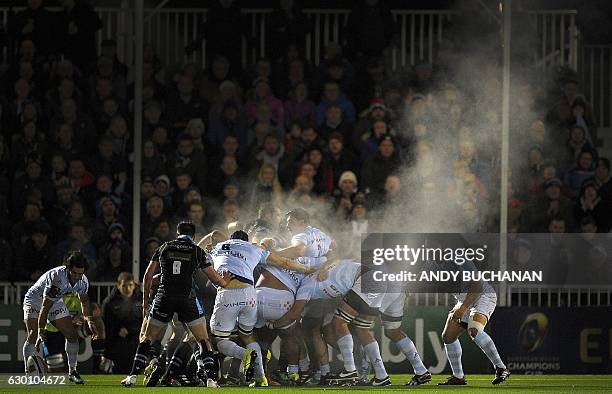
{"x":31,"y":310}
{"x":373,"y":300}
{"x":484,"y":305}
{"x":272,"y":304}
{"x":234,"y":305}
{"x":392,"y":305}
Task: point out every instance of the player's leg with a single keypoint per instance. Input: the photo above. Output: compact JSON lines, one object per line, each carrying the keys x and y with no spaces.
{"x":31,"y":311}
{"x":344,"y":315}
{"x":54,"y":343}
{"x":178,"y":362}
{"x":156,"y":325}
{"x":363,"y":324}
{"x":391,"y":316}
{"x":67,"y":328}
{"x":247,"y":318}
{"x":450,"y":337}
{"x":478,"y":318}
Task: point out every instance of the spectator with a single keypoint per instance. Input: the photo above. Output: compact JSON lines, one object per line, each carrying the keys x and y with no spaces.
{"x":552,"y":204}
{"x":601,"y":179}
{"x":263,"y":94}
{"x":344,"y":194}
{"x":576,"y":176}
{"x":184,"y":104}
{"x":267,"y":188}
{"x":154,"y":209}
{"x":163,"y":189}
{"x":231,"y":122}
{"x":78,"y":239}
{"x":187,"y":159}
{"x":288,"y":25}
{"x":107,"y":215}
{"x":32,"y":179}
{"x":35,"y":256}
{"x":32,"y":216}
{"x":335,"y":123}
{"x":377,"y":111}
{"x":35,"y":22}
{"x":590,"y":204}
{"x":113,"y":259}
{"x":298,"y":108}
{"x":333,"y":95}
{"x":196,"y":214}
{"x":271,"y":153}
{"x":377,"y":167}
{"x":78,"y":26}
{"x":122,"y":315}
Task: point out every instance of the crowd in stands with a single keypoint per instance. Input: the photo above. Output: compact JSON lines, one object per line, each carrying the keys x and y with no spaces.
{"x":358,"y":145}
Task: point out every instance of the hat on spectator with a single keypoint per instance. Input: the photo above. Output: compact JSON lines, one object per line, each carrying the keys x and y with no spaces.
{"x":147,"y":179}
{"x":163,"y":178}
{"x":336,"y":136}
{"x":116,"y":226}
{"x":151,"y":239}
{"x":386,"y":137}
{"x":259,"y":80}
{"x":41,"y":228}
{"x":348,"y":176}
{"x":192,"y":188}
{"x":552,"y":182}
{"x":225,"y":84}
{"x":377,"y":102}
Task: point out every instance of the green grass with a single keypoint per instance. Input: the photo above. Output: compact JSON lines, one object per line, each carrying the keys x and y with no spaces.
{"x":476,"y":384}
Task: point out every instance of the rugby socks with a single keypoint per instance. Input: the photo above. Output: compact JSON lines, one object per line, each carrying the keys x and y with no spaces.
{"x":97,"y":345}
{"x":486,"y":344}
{"x":29,"y":349}
{"x":292,"y":368}
{"x":72,"y":352}
{"x":373,"y":352}
{"x":407,"y":347}
{"x":259,"y":371}
{"x":325,"y":369}
{"x":453,"y":352}
{"x":141,"y":357}
{"x":181,"y":355}
{"x":171,"y":347}
{"x":346,"y":349}
{"x":231,"y":349}
{"x":156,"y":349}
{"x":304,"y":364}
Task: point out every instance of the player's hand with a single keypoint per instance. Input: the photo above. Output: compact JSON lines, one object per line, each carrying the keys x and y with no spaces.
{"x":39,"y":341}
{"x":227,"y":278}
{"x":268,"y":243}
{"x":93,"y":329}
{"x":123,"y":332}
{"x":457,"y":313}
{"x":322,"y":275}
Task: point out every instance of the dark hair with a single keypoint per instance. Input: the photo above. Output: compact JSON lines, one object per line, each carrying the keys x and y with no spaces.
{"x":299,"y":214}
{"x":76,"y":259}
{"x":588,"y":220}
{"x":125,"y":277}
{"x":605,"y":161}
{"x":186,"y":228}
{"x":239,"y":234}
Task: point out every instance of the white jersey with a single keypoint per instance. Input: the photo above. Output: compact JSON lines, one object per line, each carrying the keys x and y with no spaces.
{"x":292,"y":279}
{"x":340,"y":280}
{"x":487,"y":289}
{"x":54,"y":285}
{"x":316,"y":241}
{"x":238,"y":257}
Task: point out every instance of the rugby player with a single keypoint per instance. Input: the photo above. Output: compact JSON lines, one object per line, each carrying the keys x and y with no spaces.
{"x":472,"y":312}
{"x":237,"y":302}
{"x":277,"y":288}
{"x":341,"y":281}
{"x":44,"y":302}
{"x":391,"y":315}
{"x":177,"y":261}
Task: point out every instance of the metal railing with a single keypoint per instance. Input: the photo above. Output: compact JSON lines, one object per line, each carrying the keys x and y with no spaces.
{"x":557,"y":36}
{"x":597,"y":82}
{"x":13,"y":293}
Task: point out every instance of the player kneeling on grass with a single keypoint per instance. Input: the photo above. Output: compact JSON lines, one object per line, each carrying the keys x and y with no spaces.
{"x":44,"y":303}
{"x":471,"y":313}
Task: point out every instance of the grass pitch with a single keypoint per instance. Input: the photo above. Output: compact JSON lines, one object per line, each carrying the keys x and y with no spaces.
{"x":476,"y":384}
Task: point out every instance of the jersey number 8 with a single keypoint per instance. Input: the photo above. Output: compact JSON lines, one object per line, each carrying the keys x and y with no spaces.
{"x":176,"y":267}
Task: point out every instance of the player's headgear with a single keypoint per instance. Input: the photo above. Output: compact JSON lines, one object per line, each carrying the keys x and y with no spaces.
{"x":239,"y":234}
{"x":76,"y":259}
{"x":186,"y":228}
{"x":299,"y":214}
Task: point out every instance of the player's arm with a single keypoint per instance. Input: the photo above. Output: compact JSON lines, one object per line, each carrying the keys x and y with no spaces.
{"x":212,"y":238}
{"x":297,"y":249}
{"x":218,"y":280}
{"x":42,"y":317}
{"x":276,"y":260}
{"x":289,"y":318}
{"x":147,"y":282}
{"x":474,"y":292}
{"x":88,"y":314}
